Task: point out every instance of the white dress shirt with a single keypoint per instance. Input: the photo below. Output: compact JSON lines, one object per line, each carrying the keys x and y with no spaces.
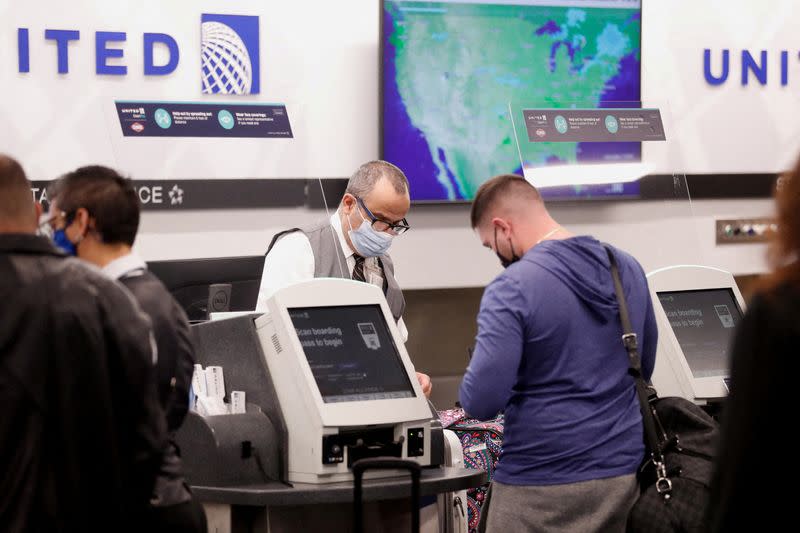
{"x":124,"y":265}
{"x":130,"y":264}
{"x":291,"y":260}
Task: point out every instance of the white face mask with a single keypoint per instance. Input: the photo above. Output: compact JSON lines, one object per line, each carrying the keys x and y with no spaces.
{"x":367,"y":241}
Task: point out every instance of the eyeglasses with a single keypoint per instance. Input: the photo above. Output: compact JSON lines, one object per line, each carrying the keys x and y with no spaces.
{"x":398,"y":228}
{"x":48,"y":225}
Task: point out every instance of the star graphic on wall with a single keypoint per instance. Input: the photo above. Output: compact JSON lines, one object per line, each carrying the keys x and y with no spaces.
{"x":175,"y":195}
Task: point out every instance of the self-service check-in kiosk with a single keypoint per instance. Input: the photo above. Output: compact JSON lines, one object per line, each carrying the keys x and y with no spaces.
{"x":697,"y":310}
{"x":327,"y":381}
{"x":344,"y":381}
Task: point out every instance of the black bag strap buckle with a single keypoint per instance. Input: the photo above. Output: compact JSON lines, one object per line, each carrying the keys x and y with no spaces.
{"x":664,"y":486}
{"x":631,"y":341}
{"x":663,"y":483}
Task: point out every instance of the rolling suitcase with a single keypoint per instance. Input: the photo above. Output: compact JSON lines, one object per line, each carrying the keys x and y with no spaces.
{"x":384,"y":463}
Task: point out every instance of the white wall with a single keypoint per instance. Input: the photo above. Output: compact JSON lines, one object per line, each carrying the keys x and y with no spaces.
{"x":323,"y":55}
{"x":322,"y":59}
{"x":729,"y":127}
{"x":714,"y":129}
{"x":442,"y":251}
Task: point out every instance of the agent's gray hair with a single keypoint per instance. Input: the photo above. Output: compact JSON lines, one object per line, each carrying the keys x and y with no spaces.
{"x":364,"y":179}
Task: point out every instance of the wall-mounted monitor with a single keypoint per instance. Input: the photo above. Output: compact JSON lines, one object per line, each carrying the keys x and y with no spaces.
{"x":450,"y":69}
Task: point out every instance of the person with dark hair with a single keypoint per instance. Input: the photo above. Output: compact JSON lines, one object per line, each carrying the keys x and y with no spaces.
{"x":549,"y":355}
{"x":353,"y":244}
{"x":81,"y":431}
{"x":95,"y":215}
{"x":97,"y":203}
{"x":755,"y":442}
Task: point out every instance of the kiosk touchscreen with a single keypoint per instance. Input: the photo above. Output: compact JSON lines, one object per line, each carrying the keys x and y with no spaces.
{"x":344,"y":381}
{"x":697,"y":311}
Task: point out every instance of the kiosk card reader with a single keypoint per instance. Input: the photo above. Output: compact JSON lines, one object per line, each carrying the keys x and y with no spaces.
{"x":345,"y":384}
{"x":697,"y":310}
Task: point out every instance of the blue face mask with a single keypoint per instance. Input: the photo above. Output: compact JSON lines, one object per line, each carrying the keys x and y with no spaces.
{"x":61,"y":240}
{"x":367,"y":241}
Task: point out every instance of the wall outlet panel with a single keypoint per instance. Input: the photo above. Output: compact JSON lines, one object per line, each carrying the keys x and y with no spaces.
{"x":744,"y":230}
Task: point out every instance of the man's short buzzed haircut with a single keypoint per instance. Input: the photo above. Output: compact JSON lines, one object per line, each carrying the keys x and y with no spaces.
{"x":108,"y":197}
{"x":16,"y":199}
{"x":364,"y":179}
{"x":497,"y":189}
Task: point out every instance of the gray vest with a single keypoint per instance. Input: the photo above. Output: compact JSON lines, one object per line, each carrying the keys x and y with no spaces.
{"x":329,"y":262}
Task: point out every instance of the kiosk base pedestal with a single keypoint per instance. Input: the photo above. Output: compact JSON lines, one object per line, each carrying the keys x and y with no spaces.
{"x":275,"y":507}
{"x":389,"y":516}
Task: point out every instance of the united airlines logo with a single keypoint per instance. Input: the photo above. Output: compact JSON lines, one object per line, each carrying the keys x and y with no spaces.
{"x":751,"y":65}
{"x":230,"y":54}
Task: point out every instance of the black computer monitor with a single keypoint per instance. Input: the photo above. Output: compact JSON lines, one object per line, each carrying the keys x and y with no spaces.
{"x":351,"y":353}
{"x":703,"y":322}
{"x":188,"y":280}
{"x":697,"y":309}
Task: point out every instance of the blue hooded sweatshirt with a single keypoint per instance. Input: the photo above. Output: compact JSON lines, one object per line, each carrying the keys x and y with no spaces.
{"x":549,"y":354}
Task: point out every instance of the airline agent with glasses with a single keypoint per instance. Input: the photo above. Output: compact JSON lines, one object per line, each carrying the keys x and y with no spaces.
{"x":352,"y":244}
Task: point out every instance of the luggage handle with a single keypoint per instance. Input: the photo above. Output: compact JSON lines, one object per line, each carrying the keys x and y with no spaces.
{"x":384,"y":463}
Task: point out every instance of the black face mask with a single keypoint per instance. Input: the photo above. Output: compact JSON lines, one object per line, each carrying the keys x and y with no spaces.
{"x":503,"y":261}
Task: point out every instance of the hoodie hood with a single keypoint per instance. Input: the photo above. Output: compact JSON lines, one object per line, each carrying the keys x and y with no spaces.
{"x":582,"y":262}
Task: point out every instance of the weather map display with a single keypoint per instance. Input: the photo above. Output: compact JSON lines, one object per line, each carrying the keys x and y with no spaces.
{"x":451,"y":70}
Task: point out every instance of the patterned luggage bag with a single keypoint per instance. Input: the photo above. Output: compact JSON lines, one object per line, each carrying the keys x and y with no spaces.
{"x":482,"y":444}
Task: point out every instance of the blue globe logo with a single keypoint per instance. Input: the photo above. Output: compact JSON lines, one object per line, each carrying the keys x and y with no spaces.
{"x":611,"y":124}
{"x":163,"y":118}
{"x":227,"y":68}
{"x":225,"y":119}
{"x":560,"y":124}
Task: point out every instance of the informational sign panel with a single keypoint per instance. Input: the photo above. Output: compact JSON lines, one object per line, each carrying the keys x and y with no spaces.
{"x":167,"y":119}
{"x":593,"y":125}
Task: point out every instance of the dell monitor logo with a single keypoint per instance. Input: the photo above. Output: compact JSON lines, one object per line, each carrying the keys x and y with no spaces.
{"x":219,"y":297}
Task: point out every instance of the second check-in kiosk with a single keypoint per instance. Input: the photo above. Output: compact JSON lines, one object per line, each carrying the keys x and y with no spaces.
{"x":697,"y":310}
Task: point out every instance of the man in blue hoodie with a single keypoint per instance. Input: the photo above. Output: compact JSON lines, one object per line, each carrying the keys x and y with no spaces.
{"x":549,"y":354}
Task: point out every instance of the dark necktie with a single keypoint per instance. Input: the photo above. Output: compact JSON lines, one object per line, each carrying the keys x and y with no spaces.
{"x":358,"y":269}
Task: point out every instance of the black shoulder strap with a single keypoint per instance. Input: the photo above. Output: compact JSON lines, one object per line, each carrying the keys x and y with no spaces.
{"x":629,"y":338}
{"x":277,"y":237}
{"x":631,"y":343}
